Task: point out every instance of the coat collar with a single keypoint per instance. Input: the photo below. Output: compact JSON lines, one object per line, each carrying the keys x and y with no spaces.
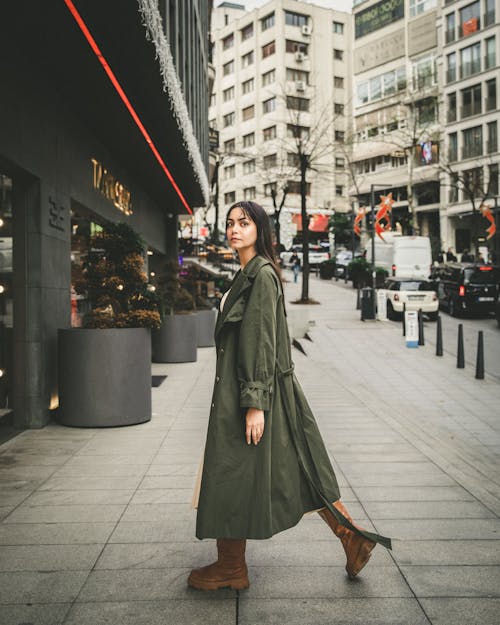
{"x":242,"y":281}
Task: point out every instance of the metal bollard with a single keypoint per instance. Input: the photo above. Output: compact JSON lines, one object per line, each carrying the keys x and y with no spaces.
{"x":404,"y":318}
{"x":358,"y":299}
{"x":460,"y":347}
{"x":480,"y":357}
{"x":421,"y":339}
{"x":439,"y":337}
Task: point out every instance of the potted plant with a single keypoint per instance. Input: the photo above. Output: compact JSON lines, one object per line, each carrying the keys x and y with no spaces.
{"x":105,"y":365}
{"x":177,"y":338}
{"x":327,"y":269}
{"x":201,"y":285}
{"x":360,"y":272}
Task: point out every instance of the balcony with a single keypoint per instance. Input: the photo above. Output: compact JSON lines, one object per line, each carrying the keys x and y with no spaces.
{"x":470,"y":68}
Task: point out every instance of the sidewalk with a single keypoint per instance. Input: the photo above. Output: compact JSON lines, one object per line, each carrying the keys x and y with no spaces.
{"x":97,"y":526}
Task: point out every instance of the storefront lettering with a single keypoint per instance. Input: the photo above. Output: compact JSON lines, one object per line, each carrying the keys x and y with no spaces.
{"x":111,"y":188}
{"x":56,"y":215}
{"x":378,"y":16}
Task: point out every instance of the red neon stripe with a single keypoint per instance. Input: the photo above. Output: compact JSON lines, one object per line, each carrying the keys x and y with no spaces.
{"x":125,"y":100}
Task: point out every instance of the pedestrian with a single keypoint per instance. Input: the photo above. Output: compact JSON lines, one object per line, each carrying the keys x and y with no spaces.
{"x":467,"y":257}
{"x":440,"y":258}
{"x":265,"y":463}
{"x":450,"y":256}
{"x":295,"y":262}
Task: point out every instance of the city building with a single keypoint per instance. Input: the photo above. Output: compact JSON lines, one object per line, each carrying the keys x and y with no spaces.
{"x":282,"y":71}
{"x":103,"y":116}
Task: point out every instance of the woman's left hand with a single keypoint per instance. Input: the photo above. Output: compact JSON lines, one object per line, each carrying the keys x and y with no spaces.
{"x":255,"y":425}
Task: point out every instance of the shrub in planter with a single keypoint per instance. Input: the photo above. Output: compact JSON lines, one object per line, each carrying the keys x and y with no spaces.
{"x":105,"y":366}
{"x":360,"y":272}
{"x":327,"y":269}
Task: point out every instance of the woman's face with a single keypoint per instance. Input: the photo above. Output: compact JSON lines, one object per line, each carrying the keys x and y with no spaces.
{"x":241,"y":231}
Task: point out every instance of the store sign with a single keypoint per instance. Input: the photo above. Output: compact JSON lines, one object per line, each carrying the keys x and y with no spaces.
{"x":380,"y":52}
{"x":377,"y":16}
{"x":422,"y":34}
{"x":111,"y":188}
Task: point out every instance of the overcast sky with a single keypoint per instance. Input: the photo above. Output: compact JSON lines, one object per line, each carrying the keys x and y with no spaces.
{"x":340,"y":5}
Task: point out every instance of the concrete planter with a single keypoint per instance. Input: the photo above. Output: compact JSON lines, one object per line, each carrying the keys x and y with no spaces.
{"x":104,"y":377}
{"x":176,"y":340}
{"x":206,"y":327}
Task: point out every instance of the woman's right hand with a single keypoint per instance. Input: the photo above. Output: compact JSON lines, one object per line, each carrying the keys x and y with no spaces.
{"x":254,"y":425}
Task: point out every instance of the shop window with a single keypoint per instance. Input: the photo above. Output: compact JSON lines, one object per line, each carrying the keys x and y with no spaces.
{"x":6,"y":293}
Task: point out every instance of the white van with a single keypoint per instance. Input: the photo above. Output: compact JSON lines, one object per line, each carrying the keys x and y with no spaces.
{"x":402,"y":256}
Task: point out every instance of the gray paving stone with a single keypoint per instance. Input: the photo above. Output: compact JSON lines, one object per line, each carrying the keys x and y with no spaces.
{"x":204,"y":611}
{"x":443,"y":552}
{"x":444,"y":529}
{"x":81,"y":459}
{"x":451,"y":611}
{"x":82,"y":497}
{"x":413,"y":493}
{"x":34,"y":614}
{"x":169,"y":481}
{"x":54,"y":533}
{"x":48,"y":557}
{"x":91,"y":483}
{"x":427,"y":510}
{"x":41,"y":587}
{"x":13,"y":497}
{"x":5,"y":511}
{"x":449,"y":581}
{"x":65,"y":514}
{"x":19,"y":459}
{"x":163,"y":496}
{"x":158,"y":512}
{"x":172,"y":470}
{"x":369,"y":611}
{"x":101,"y":470}
{"x":168,"y":530}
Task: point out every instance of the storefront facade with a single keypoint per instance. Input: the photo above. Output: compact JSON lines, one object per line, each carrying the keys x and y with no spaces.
{"x":71,"y":150}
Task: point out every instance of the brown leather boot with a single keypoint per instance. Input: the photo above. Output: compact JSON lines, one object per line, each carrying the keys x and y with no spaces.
{"x":357,"y":548}
{"x":230,"y":570}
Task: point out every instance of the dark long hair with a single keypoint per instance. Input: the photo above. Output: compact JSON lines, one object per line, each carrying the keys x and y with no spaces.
{"x":264,"y":244}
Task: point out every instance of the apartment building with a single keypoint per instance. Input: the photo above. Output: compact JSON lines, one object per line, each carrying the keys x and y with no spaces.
{"x":471,"y":49}
{"x":396,"y":111}
{"x":282,"y":70}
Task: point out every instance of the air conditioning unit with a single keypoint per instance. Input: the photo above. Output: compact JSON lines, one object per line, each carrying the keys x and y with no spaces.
{"x":306,"y":30}
{"x":300,"y":85}
{"x":300,"y":56}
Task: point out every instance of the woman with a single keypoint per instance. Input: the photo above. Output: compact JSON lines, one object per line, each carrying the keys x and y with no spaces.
{"x":265,"y":463}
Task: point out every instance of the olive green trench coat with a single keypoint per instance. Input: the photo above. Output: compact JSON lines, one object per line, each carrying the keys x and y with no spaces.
{"x":255,"y":491}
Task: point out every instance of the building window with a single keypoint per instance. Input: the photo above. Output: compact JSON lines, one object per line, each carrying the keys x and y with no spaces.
{"x":228,"y":94}
{"x":229,"y":172}
{"x":339,"y":190}
{"x":338,"y":109}
{"x":420,"y":6}
{"x":338,"y":55}
{"x":451,"y":113}
{"x":269,"y":187}
{"x":212,"y":100}
{"x":472,"y":141}
{"x":453,"y":191}
{"x":268,"y":49}
{"x":228,"y":42}
{"x":339,"y":162}
{"x":271,"y":160}
{"x":491,"y":94}
{"x":470,"y":60}
{"x":493,"y":179}
{"x":230,"y":198}
{"x":473,"y":182}
{"x":452,"y":147}
{"x":388,"y":83}
{"x":229,"y":119}
{"x":269,"y":105}
{"x":249,"y":140}
{"x":296,"y":46}
{"x":228,"y":68}
{"x":489,"y":16}
{"x":249,"y":166}
{"x":296,"y":19}
{"x":338,"y":82}
{"x":247,"y":59}
{"x":471,"y":101}
{"x":269,"y":133}
{"x":424,"y":72}
{"x":451,"y":67}
{"x":450,"y":28}
{"x":248,"y":113}
{"x":229,"y":146}
{"x":294,"y":187}
{"x":248,"y":86}
{"x":492,"y":145}
{"x":268,"y":78}
{"x":490,"y":57}
{"x":426,"y":111}
{"x":470,"y":19}
{"x":375,"y":88}
{"x":247,"y":32}
{"x":338,"y":28}
{"x":292,"y":159}
{"x":297,"y":104}
{"x":296,"y":75}
{"x":293,"y":131}
{"x":339,"y":136}
{"x":267,"y":22}
{"x":249,"y":193}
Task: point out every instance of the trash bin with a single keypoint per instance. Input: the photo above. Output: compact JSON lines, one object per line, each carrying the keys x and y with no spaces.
{"x":367,"y":303}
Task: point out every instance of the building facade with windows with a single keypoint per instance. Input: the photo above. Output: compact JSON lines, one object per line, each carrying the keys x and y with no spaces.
{"x":282,"y":71}
{"x":103,"y":118}
{"x":470,"y":173}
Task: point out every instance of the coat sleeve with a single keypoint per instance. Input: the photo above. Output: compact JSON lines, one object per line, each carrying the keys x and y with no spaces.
{"x":257,"y":342}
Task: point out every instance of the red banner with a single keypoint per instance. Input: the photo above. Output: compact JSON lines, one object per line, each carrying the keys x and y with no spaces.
{"x":470,"y":26}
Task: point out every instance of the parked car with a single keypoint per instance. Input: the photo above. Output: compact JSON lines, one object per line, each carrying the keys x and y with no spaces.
{"x":402,"y":256}
{"x":466,"y":287}
{"x":414,"y":293}
{"x":342,"y":259}
{"x":316,"y":255}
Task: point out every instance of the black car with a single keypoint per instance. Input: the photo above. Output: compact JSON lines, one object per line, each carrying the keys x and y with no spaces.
{"x":466,"y":287}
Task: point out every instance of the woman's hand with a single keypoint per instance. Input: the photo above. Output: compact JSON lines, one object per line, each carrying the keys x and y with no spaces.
{"x":255,"y":425}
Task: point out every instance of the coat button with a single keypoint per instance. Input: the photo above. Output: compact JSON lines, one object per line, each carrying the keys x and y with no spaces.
{"x":217,"y":379}
{"x":221,"y":350}
{"x":213,"y":405}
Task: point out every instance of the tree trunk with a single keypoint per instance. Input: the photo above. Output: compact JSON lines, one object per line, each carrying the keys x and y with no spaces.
{"x":215,"y":232}
{"x":305,"y":228}
{"x":409,"y":190}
